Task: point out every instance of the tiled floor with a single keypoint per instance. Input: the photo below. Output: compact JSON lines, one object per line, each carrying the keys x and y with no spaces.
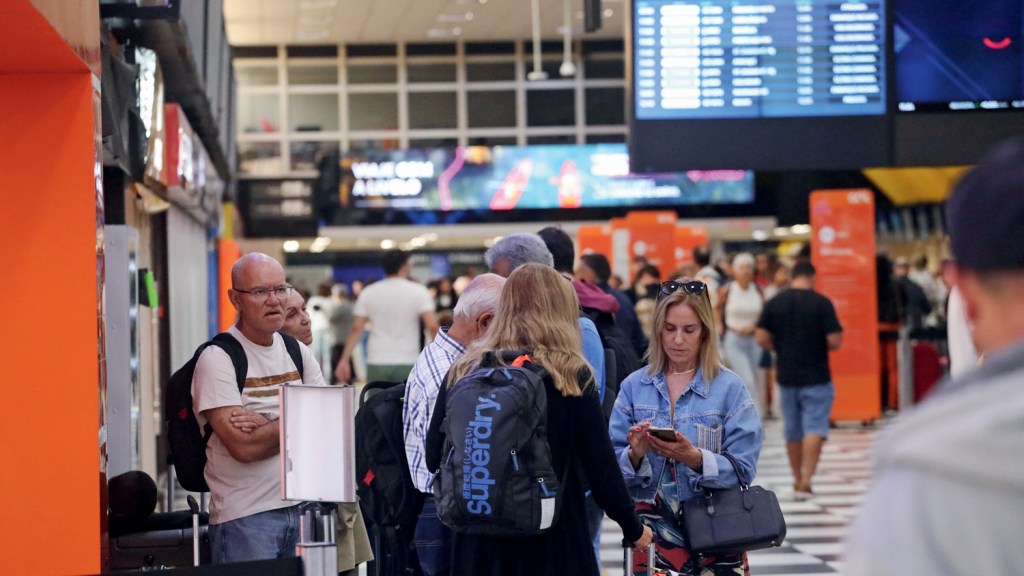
{"x":814,"y":528}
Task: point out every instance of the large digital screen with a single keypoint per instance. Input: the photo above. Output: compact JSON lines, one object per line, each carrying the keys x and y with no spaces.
{"x":525,"y":177}
{"x":751,"y":59}
{"x":952,"y":55}
{"x":759,"y":84}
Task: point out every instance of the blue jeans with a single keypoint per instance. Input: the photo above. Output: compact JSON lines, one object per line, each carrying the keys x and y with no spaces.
{"x":433,"y":541}
{"x":744,"y":356}
{"x":805,"y":410}
{"x":264,"y":536}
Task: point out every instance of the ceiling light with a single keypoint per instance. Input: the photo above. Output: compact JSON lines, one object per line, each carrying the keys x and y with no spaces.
{"x":760,"y":235}
{"x":291,"y":245}
{"x":436,"y":33}
{"x":483,"y":1}
{"x":456,"y":31}
{"x":316,"y":20}
{"x":312,"y":35}
{"x":608,"y":13}
{"x":320,"y":244}
{"x":387,"y":244}
{"x":781,"y":231}
{"x":469,"y":16}
{"x":800,"y":229}
{"x":317,"y":4}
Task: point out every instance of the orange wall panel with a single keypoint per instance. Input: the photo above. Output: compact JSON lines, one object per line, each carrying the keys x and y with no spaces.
{"x":50,"y":471}
{"x":843,"y":252}
{"x":228,"y":253}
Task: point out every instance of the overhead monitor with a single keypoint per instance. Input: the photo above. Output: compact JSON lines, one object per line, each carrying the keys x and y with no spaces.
{"x":759,"y":84}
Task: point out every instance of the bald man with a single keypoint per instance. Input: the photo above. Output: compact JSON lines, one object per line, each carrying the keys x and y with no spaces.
{"x":248,"y":519}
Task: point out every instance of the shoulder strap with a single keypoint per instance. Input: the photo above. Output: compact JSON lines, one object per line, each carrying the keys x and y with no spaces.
{"x":292,"y":345}
{"x":234,"y":350}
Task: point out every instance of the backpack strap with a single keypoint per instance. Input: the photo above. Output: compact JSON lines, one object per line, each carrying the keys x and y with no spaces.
{"x":292,"y":345}
{"x":233,"y":348}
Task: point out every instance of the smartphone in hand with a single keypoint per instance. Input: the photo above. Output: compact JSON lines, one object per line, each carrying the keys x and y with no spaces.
{"x":664,"y":434}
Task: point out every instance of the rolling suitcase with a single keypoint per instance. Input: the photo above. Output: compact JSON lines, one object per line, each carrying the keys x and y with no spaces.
{"x":171,"y":539}
{"x":627,"y":559}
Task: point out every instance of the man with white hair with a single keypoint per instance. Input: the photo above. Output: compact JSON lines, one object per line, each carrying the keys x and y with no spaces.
{"x":472,"y":315}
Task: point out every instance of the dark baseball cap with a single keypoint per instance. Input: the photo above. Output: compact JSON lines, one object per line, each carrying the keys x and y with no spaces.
{"x":985,"y":212}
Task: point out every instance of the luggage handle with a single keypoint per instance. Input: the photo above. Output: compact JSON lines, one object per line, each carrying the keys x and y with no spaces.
{"x":627,"y":560}
{"x":194,"y":507}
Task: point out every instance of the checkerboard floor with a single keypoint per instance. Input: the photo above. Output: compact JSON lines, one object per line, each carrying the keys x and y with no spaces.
{"x":815,"y":528}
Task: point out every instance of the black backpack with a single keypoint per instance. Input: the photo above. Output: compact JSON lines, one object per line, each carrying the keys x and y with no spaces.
{"x":620,"y":356}
{"x":496,"y":476}
{"x":185,"y":441}
{"x":387,"y":494}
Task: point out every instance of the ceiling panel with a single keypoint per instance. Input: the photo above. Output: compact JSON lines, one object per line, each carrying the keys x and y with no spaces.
{"x":359,"y":21}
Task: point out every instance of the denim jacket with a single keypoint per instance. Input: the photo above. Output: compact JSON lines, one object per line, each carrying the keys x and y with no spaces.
{"x":717,"y":417}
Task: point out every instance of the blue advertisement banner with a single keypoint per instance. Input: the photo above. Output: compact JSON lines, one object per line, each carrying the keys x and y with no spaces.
{"x":525,"y":177}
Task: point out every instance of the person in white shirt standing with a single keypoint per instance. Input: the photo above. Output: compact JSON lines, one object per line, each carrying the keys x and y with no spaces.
{"x":248,"y":519}
{"x":394,"y":308}
{"x":740,"y":304}
{"x":472,"y":316}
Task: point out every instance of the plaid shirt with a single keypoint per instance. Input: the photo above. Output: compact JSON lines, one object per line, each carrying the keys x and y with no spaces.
{"x":420,"y":396}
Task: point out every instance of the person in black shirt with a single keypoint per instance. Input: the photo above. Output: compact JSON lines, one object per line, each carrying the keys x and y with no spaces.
{"x":801,"y":326}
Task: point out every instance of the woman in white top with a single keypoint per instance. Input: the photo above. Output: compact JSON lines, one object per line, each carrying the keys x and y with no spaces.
{"x":739,"y":306}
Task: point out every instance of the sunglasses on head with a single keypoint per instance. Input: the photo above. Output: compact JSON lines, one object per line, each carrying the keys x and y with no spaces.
{"x":694,"y":288}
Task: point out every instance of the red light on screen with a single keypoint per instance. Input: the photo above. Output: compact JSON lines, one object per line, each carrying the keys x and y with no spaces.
{"x":1001,"y":44}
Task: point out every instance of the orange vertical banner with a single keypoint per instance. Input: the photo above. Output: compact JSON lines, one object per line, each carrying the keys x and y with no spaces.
{"x":652,"y":234}
{"x":595,"y":239}
{"x":686,"y":239}
{"x":843,"y":252}
{"x":227,"y":253}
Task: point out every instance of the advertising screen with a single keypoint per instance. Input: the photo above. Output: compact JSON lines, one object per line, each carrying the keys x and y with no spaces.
{"x":525,"y":177}
{"x":952,"y":55}
{"x":751,"y":59}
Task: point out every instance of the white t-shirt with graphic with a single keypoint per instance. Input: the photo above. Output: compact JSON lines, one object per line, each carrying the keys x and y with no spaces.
{"x":241,"y":489}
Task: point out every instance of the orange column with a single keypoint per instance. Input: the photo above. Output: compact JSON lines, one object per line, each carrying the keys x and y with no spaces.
{"x":843,"y":252}
{"x":51,"y":467}
{"x":652,"y":234}
{"x":228,"y":253}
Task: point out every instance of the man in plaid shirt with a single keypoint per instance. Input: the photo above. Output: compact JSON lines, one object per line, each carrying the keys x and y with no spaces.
{"x":473,"y":313}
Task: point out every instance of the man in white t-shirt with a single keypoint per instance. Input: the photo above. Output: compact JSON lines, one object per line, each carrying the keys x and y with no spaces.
{"x":394,"y":308}
{"x":248,"y":519}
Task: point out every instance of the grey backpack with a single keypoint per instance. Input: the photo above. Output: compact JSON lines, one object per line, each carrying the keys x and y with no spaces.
{"x":496,"y":476}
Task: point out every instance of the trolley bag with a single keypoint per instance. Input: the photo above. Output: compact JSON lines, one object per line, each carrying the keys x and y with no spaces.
{"x":167,"y":539}
{"x":186,"y":442}
{"x":496,"y":476}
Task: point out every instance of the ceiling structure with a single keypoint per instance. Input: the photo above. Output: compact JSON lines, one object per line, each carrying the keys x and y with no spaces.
{"x":269,"y":22}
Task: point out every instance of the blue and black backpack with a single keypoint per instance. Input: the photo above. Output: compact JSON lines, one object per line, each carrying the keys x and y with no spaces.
{"x":496,"y":476}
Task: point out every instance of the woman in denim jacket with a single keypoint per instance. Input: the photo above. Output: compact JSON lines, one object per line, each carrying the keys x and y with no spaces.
{"x":686,"y":388}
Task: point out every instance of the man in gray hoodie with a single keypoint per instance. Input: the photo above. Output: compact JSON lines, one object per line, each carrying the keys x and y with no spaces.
{"x":948,"y":496}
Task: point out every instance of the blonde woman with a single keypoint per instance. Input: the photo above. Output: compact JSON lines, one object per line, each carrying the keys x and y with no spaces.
{"x":537,"y":314}
{"x":702,"y":410}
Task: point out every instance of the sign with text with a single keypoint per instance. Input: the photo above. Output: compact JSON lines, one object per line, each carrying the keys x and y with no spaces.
{"x":525,"y":177}
{"x":843,"y":252}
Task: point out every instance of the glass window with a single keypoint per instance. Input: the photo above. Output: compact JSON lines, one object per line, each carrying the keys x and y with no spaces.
{"x":369,"y":144}
{"x":441,"y":72}
{"x":605,"y":106}
{"x":490,"y":71}
{"x":493,"y":141}
{"x":304,"y":75}
{"x":605,"y":138}
{"x":372,"y":74}
{"x":373,"y":111}
{"x":433,"y":142}
{"x":256,"y":75}
{"x":307,"y":155}
{"x":550,"y":108}
{"x":258,"y":158}
{"x":313,"y":112}
{"x":432,"y":110}
{"x":487,"y":109}
{"x":562,"y":139}
{"x":604,"y":68}
{"x":258,"y":113}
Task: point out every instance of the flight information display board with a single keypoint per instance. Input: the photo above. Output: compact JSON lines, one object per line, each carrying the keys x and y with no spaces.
{"x":703,"y":59}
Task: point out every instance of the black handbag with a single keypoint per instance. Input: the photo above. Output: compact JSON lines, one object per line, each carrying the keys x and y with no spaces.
{"x":733,"y":519}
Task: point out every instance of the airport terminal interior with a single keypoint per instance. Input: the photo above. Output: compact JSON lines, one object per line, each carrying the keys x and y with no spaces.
{"x":149,"y":145}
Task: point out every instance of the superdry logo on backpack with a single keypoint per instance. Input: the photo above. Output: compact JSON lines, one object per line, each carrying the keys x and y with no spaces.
{"x":496,"y":476}
{"x":477,"y":456}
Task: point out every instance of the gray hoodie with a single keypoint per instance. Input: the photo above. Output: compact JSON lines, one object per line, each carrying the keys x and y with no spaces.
{"x":948,"y":490}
